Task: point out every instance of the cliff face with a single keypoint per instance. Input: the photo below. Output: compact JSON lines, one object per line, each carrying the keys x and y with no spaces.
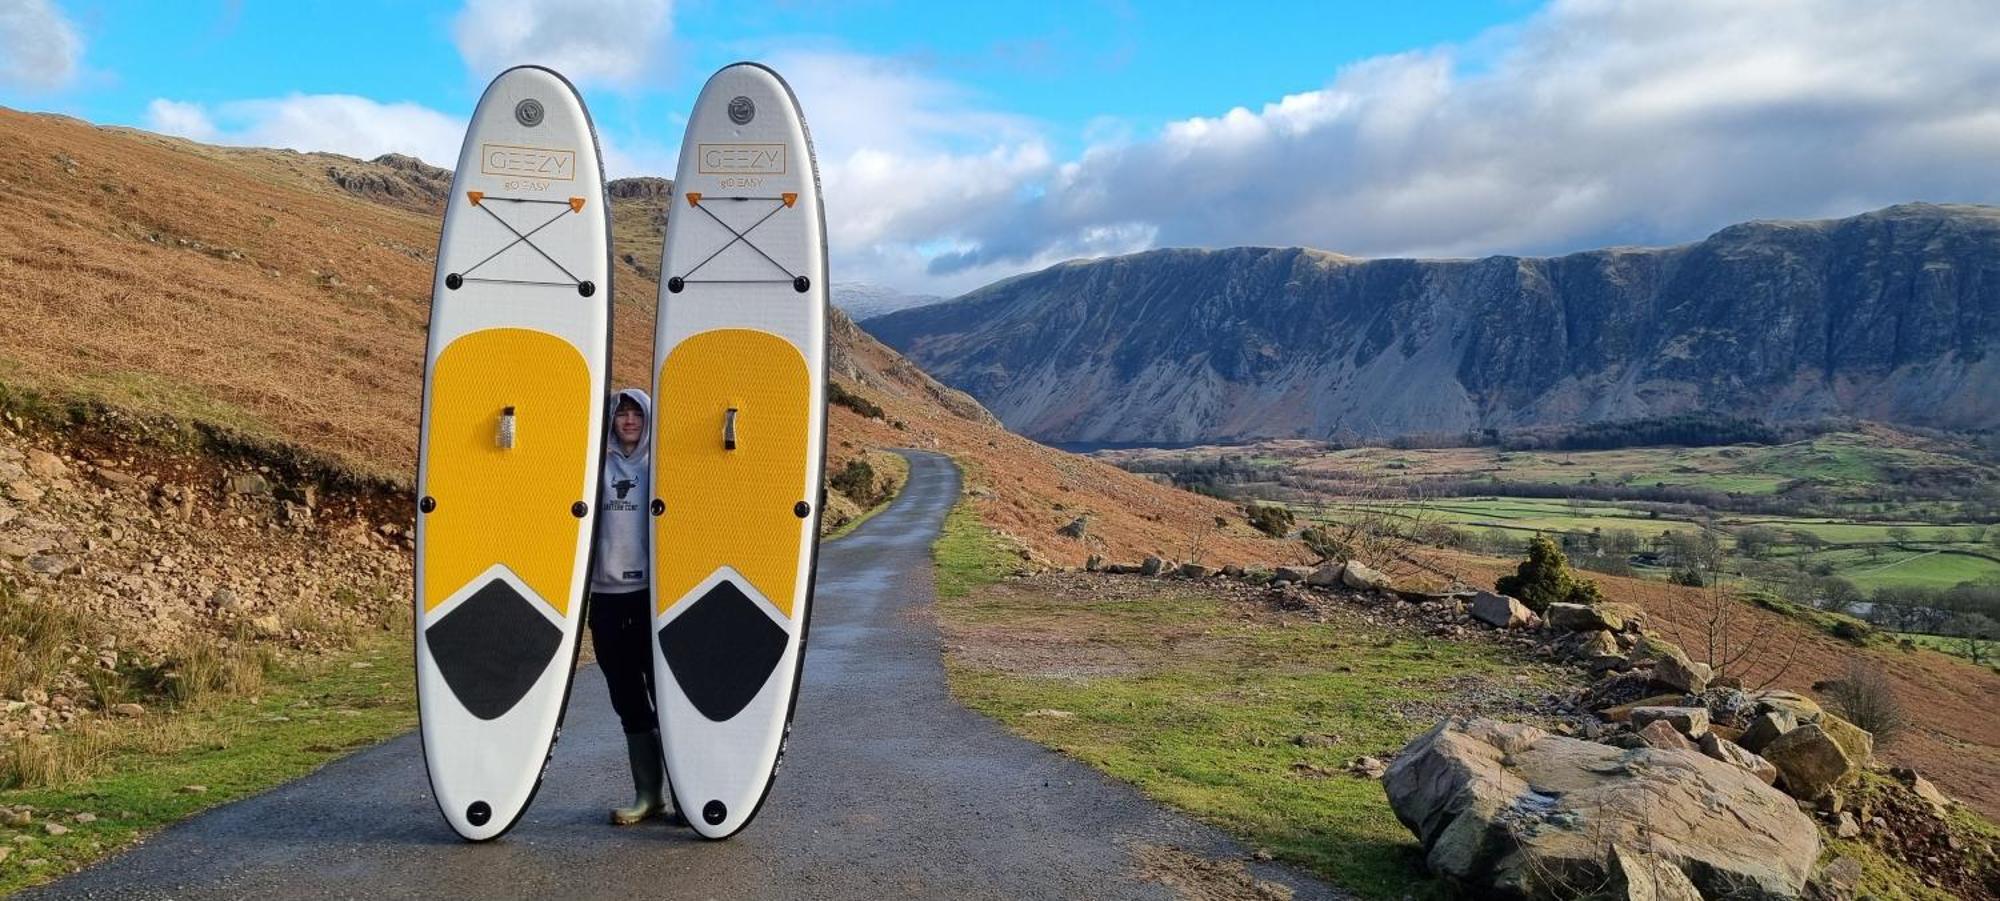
{"x":1891,"y":316}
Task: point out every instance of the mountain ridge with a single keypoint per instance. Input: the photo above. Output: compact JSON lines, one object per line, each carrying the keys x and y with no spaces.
{"x":1886,"y":315}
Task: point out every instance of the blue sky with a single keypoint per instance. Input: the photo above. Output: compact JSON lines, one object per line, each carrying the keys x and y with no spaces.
{"x":966,"y":142}
{"x":1077,"y":68}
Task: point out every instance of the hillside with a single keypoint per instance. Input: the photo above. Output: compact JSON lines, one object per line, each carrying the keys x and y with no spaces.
{"x":1888,"y":316}
{"x":283,"y":296}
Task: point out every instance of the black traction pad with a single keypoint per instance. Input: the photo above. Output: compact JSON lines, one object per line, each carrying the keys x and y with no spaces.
{"x":722,"y":650}
{"x":492,"y":648}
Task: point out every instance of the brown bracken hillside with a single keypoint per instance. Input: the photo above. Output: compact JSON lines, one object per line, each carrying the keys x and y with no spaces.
{"x":284,"y":295}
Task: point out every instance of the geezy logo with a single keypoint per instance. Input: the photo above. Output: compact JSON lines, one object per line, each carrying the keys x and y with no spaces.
{"x":536,"y":162}
{"x":742,"y":159}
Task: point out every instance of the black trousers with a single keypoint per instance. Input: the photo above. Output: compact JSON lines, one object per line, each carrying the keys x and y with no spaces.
{"x":621,"y":626}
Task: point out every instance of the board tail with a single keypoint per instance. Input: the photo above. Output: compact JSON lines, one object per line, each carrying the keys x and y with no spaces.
{"x":511,"y":446}
{"x":740,"y":381}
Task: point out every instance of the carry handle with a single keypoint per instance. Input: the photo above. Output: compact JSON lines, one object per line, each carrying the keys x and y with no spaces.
{"x":729,"y":430}
{"x":505,"y":439}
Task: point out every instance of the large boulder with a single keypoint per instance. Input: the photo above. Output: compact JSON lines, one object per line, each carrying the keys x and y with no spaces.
{"x":1151,"y":566}
{"x":1509,"y":809}
{"x":1661,"y":734}
{"x":1802,"y":708}
{"x":1290,"y":574}
{"x":1688,"y":721}
{"x":1767,"y":727}
{"x":1360,"y":577}
{"x":1591,"y":617}
{"x":1501,"y":611}
{"x":1597,"y":650}
{"x":1810,"y":761}
{"x":1681,"y":674}
{"x":1645,"y":878}
{"x":1733,"y":754}
{"x":1858,"y":743}
{"x":1327,"y":576}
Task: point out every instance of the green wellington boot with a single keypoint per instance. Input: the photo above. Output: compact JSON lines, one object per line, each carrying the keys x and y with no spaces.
{"x":643,"y":750}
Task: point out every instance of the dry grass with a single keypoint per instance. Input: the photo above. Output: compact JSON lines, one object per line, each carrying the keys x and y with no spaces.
{"x":39,"y":761}
{"x":41,"y":642}
{"x":37,"y":638}
{"x":198,"y":672}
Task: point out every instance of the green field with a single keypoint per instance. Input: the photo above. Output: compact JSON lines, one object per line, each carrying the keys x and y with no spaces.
{"x":1863,"y":553}
{"x":1526,"y":515}
{"x":1901,"y":568}
{"x":1989,"y":649}
{"x":1850,"y":463}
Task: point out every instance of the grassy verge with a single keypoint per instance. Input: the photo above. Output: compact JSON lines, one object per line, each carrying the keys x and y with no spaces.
{"x":164,"y":768}
{"x":1243,"y":719}
{"x":967,"y":554}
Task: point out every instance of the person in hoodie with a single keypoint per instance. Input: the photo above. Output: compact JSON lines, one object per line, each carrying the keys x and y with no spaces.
{"x":621,"y":614}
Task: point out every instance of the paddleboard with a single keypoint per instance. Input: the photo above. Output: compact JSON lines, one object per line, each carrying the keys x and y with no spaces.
{"x":739,"y":443}
{"x":513,"y":425}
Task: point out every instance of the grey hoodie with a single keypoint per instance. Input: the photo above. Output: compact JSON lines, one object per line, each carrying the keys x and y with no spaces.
{"x":624,"y":494}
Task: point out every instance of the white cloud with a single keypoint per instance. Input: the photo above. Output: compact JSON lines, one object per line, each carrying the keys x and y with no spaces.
{"x":908,"y":162}
{"x":187,"y":120}
{"x":614,"y":42}
{"x":39,"y":48}
{"x":340,"y":123}
{"x":1593,"y":122}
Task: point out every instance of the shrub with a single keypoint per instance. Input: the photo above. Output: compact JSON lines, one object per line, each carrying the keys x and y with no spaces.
{"x":1864,"y":697}
{"x":836,"y":394}
{"x":1688,"y":577}
{"x":1324,"y":544}
{"x":857,"y":481}
{"x":1852,"y":631}
{"x":1271,"y":520}
{"x":1546,"y":578}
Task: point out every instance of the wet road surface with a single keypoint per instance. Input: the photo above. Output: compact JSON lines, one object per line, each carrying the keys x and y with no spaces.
{"x":888,"y":789}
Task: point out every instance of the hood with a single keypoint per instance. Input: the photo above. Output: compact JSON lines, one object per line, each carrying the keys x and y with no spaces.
{"x":611,"y":444}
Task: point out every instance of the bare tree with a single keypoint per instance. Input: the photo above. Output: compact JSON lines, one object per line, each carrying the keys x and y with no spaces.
{"x":1715,"y":625}
{"x":1975,"y":637}
{"x":1384,"y":530}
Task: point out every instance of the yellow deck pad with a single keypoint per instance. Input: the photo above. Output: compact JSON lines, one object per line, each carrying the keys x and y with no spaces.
{"x":731,"y":507}
{"x":506,"y":505}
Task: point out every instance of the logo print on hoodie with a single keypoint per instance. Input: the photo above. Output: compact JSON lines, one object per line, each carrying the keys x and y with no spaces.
{"x":623,"y":486}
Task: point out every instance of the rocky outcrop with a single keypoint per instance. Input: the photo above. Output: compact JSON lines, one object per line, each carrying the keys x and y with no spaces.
{"x":856,"y":355}
{"x":1509,"y":809}
{"x":648,"y":188}
{"x":1879,"y":316}
{"x":393,"y":179}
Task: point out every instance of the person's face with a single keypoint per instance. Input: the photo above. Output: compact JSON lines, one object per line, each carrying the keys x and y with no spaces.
{"x":629,"y":424}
